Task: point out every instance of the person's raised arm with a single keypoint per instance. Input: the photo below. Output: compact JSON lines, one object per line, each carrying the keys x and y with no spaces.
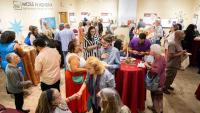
{"x":19,"y":50}
{"x":74,"y":65}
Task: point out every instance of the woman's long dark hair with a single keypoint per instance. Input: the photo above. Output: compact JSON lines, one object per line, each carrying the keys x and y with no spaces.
{"x":7,"y":37}
{"x":118,"y":44}
{"x":44,"y":106}
{"x":89,"y":36}
{"x":71,"y":46}
{"x":189,"y":37}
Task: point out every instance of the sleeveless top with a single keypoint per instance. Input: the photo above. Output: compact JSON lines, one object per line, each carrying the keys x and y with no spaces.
{"x":76,"y":79}
{"x":5,"y":49}
{"x":82,"y":60}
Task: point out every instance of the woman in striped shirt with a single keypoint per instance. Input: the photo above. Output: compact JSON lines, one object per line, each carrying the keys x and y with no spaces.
{"x":91,"y":43}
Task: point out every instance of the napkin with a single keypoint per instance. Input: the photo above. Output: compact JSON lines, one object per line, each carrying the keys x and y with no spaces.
{"x":141,"y":65}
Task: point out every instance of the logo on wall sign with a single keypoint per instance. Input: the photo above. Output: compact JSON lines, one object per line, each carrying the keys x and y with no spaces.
{"x":16,"y":26}
{"x":17,"y":5}
{"x":27,"y":4}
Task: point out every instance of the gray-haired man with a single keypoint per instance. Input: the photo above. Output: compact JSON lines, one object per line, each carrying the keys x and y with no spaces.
{"x":14,"y":81}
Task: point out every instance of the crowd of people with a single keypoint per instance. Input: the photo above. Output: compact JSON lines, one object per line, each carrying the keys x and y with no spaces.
{"x":90,"y":60}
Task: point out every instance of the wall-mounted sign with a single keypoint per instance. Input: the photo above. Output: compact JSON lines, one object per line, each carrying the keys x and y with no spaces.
{"x":106,"y":17}
{"x":85,"y":15}
{"x":72,"y":17}
{"x":168,"y":22}
{"x":149,"y":18}
{"x":27,"y":4}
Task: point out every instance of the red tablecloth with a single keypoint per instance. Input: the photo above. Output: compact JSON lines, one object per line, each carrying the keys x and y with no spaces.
{"x":195,"y":47}
{"x":197,"y":93}
{"x":131,"y":87}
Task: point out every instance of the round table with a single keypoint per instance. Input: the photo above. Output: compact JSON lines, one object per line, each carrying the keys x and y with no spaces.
{"x":131,"y":86}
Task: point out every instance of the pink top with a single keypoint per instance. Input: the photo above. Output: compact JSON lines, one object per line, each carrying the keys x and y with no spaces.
{"x":158,"y":67}
{"x":48,"y":63}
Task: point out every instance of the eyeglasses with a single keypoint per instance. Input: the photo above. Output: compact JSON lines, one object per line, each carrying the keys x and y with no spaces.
{"x":92,"y":31}
{"x":104,"y":43}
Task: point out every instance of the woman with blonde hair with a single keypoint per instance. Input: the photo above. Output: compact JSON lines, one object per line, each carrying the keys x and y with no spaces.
{"x":110,"y":102}
{"x":50,"y":101}
{"x":98,"y":77}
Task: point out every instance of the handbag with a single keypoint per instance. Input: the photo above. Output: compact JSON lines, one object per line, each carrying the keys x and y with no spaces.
{"x":185,"y":62}
{"x":151,"y":83}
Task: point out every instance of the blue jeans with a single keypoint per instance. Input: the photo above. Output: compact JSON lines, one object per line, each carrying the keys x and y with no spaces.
{"x":64,"y":55}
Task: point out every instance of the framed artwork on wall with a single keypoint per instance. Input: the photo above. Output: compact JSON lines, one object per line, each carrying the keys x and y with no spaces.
{"x":195,"y":19}
{"x":72,"y":17}
{"x":149,"y":18}
{"x":51,"y":21}
{"x":85,"y":15}
{"x":167,"y":23}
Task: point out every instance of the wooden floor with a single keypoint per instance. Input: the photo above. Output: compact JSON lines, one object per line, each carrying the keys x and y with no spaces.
{"x":182,"y":100}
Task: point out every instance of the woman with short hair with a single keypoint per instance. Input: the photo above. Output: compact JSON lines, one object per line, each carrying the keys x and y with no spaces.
{"x":109,"y":54}
{"x":174,"y":57}
{"x":157,"y":68}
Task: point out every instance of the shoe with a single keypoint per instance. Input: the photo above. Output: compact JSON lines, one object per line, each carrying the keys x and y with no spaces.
{"x":26,"y":111}
{"x":171,"y":88}
{"x":166,"y":92}
{"x":151,"y":108}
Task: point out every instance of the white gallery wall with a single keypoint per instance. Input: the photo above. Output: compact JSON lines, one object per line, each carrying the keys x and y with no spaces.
{"x":11,"y":16}
{"x":94,"y":7}
{"x":167,"y":9}
{"x":120,"y":10}
{"x":126,"y":10}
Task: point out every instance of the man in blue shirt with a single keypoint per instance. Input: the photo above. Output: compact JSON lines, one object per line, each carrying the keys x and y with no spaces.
{"x":65,"y":36}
